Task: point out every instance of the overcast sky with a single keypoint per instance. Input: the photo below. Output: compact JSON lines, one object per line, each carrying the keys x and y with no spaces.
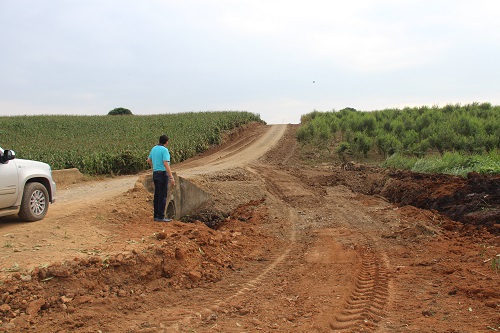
{"x":278,"y":58}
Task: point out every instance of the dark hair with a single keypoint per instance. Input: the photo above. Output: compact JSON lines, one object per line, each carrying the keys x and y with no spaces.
{"x":163,"y":139}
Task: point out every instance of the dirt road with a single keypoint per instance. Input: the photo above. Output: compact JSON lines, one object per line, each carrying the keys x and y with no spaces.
{"x":292,"y":248}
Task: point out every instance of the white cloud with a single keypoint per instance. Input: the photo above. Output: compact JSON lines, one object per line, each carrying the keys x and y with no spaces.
{"x":334,"y":32}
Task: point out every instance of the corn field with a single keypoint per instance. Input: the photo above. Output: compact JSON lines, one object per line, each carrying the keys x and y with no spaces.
{"x":103,"y":145}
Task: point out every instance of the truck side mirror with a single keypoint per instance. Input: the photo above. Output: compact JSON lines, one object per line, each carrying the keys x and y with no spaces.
{"x":7,"y":156}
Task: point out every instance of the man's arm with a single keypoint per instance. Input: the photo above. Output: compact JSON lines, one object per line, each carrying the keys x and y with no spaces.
{"x":169,"y":171}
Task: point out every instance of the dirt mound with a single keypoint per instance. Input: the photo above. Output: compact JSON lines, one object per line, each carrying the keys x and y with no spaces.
{"x":364,"y":179}
{"x":179,"y":256}
{"x":474,"y":200}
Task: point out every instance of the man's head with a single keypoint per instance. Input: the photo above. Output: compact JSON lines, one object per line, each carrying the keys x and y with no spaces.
{"x":163,"y":139}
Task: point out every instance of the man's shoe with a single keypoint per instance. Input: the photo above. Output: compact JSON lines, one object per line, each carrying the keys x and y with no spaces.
{"x":163,"y":220}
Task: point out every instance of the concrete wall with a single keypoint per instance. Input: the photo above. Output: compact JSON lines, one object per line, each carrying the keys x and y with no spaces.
{"x":67,"y":176}
{"x":182,"y":199}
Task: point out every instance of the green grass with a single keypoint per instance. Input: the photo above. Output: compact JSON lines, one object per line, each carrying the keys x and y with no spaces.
{"x":103,"y":145}
{"x":495,"y":264}
{"x":453,"y":163}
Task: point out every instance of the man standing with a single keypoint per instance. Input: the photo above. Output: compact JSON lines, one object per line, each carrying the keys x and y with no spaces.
{"x":159,"y":160}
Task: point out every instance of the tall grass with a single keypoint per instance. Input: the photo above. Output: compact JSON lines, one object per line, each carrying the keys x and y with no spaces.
{"x":453,"y":163}
{"x":114,"y":144}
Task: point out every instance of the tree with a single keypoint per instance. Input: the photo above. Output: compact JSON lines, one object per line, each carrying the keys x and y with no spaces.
{"x":388,"y":144}
{"x":119,"y":112}
{"x":362,"y":143}
{"x":343,"y":149}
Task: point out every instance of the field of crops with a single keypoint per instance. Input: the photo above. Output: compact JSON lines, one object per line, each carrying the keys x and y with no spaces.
{"x":453,"y":139}
{"x":101,"y":145}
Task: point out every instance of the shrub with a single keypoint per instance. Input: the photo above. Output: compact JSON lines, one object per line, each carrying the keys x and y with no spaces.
{"x":120,"y":112}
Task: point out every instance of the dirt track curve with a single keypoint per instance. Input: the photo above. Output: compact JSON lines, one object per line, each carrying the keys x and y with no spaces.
{"x":290,"y":248}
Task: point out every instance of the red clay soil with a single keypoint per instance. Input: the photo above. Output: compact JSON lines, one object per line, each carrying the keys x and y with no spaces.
{"x":280,"y":247}
{"x":474,"y":200}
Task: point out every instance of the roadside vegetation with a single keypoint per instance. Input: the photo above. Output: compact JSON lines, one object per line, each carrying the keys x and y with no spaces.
{"x":453,"y":139}
{"x":104,"y":145}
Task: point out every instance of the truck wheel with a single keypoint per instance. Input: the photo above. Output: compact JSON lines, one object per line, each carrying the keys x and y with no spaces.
{"x":35,"y":202}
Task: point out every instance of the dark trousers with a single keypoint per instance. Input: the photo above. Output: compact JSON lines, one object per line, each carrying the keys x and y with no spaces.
{"x":160,"y":179}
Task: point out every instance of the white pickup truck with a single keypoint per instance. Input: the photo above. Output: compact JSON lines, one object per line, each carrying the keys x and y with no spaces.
{"x":26,"y":187}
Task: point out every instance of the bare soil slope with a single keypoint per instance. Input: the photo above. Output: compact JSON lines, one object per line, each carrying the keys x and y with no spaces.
{"x":281,"y":247}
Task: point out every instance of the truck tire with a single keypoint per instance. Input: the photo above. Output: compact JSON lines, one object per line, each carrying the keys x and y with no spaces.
{"x":35,"y":202}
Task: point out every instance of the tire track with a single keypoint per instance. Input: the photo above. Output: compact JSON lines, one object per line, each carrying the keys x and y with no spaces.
{"x":366,"y":304}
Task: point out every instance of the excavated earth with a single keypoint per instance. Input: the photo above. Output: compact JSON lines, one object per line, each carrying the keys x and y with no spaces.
{"x":281,"y":247}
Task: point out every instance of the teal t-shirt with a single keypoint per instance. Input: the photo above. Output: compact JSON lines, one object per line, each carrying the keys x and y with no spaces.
{"x":159,"y":154}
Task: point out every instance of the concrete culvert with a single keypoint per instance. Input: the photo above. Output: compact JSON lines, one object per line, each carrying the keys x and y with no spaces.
{"x":170,"y":213}
{"x":182,"y":199}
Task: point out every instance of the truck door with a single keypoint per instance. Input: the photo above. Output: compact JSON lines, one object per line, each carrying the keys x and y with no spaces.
{"x":8,"y":184}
